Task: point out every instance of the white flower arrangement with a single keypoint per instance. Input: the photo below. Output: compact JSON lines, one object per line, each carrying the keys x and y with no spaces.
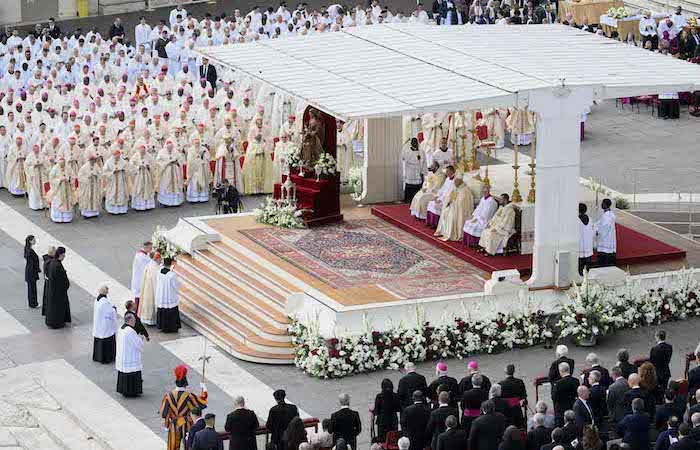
{"x":163,"y":246}
{"x":326,"y":164}
{"x":355,"y":181}
{"x":292,"y":156}
{"x":618,"y":13}
{"x":595,"y":310}
{"x":280,"y":214}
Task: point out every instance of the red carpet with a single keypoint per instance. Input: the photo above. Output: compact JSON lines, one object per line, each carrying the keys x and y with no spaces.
{"x":633,"y":247}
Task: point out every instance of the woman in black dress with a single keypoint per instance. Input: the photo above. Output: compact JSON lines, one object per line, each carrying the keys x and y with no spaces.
{"x":31,"y":270}
{"x":294,"y":435}
{"x":57,"y":306}
{"x":387,"y":406}
{"x":45,"y":295}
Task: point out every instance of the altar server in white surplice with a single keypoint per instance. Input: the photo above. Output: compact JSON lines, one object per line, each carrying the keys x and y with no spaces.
{"x":414,"y":169}
{"x":458,"y":208}
{"x":129,"y":362}
{"x":443,"y":155}
{"x":435,"y":206}
{"x":500,"y":228}
{"x":585,"y":243}
{"x":167,"y":299}
{"x":480,"y":218}
{"x":606,"y":235}
{"x":141,"y":260}
{"x":104,"y":328}
{"x":431,"y":186}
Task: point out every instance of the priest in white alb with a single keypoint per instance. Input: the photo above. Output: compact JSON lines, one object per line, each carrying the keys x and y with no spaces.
{"x":61,"y":196}
{"x":129,"y":360}
{"x":257,"y":168}
{"x":138,"y":268}
{"x":458,"y":208}
{"x":431,"y":185}
{"x":444,"y":155}
{"x":143,"y":179}
{"x":104,"y":327}
{"x":15,"y":176}
{"x":90,"y":188}
{"x":167,"y":299}
{"x":147,"y":302}
{"x":480,"y":218}
{"x":36,"y":167}
{"x":198,"y":173}
{"x":170,"y":175}
{"x":436,"y":204}
{"x":117,"y":183}
{"x":606,"y":236}
{"x":501,"y":227}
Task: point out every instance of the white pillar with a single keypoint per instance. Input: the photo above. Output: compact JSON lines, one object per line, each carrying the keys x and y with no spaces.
{"x":382,"y":168}
{"x":557,"y":176}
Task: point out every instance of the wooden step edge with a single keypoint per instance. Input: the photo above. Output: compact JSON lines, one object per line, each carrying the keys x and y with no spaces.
{"x":258,"y":354}
{"x":250,"y":303}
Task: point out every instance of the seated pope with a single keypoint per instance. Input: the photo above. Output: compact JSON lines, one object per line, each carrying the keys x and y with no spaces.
{"x":500,"y":228}
{"x":436,"y":204}
{"x":458,"y":208}
{"x":431,"y":185}
{"x":480,"y":218}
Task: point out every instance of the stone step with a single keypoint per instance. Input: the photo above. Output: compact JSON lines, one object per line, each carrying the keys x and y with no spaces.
{"x":222,"y":338}
{"x":214,"y":283}
{"x":34,"y":438}
{"x":238,"y":330}
{"x":63,"y":430}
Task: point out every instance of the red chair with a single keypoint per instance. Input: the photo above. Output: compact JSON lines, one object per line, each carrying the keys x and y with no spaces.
{"x":539,"y":381}
{"x":420,"y":137}
{"x":392,"y":439}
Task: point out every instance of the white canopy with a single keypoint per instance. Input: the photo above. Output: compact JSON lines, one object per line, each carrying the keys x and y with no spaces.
{"x":401,"y":69}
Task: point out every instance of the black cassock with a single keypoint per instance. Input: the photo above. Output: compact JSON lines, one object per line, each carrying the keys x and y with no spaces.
{"x":45,"y":294}
{"x":57,"y":306}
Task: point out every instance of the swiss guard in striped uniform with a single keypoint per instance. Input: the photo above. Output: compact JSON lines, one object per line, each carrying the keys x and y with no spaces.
{"x":177,"y":406}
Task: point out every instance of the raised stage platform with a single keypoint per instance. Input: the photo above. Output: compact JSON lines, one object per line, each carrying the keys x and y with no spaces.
{"x":633,"y":247}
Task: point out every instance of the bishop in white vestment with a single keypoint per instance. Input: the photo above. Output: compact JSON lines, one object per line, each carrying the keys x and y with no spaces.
{"x":198,"y":173}
{"x":435,"y":206}
{"x":117,"y":181}
{"x":606,"y":236}
{"x":458,"y":208}
{"x":37,"y":174}
{"x":480,"y":218}
{"x":62,"y":195}
{"x":129,"y":362}
{"x":500,"y":228}
{"x":432,"y":184}
{"x":90,"y":188}
{"x":170,"y":176}
{"x":143,"y":180}
{"x":147,"y":302}
{"x":104,"y":328}
{"x":167,"y":299}
{"x":141,"y":260}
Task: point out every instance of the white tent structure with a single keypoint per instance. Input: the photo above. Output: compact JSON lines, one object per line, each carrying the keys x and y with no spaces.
{"x":383,"y":72}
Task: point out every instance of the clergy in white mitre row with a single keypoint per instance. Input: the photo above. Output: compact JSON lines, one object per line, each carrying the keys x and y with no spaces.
{"x":436,"y":204}
{"x":61,"y":196}
{"x":143,"y":183}
{"x":198,"y":173}
{"x":147,"y":301}
{"x":36,"y":167}
{"x":500,"y":228}
{"x":129,"y":359}
{"x":474,"y":227}
{"x":15,"y":176}
{"x":170,"y":168}
{"x":432,"y":184}
{"x":117,"y":183}
{"x":104,"y":327}
{"x":167,"y":299}
{"x":90,"y":188}
{"x":138,"y":269}
{"x":414,"y":169}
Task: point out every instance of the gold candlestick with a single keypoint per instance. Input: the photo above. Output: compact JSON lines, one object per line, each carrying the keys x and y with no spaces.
{"x":488,"y":145}
{"x":517,"y":198}
{"x":531,"y":194}
{"x":475,"y":162}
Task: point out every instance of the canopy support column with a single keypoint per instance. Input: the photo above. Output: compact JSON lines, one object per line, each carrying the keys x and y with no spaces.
{"x":555,"y":254}
{"x":382,"y":175}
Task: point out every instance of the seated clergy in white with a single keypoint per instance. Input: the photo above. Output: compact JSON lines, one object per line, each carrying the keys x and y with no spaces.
{"x":480,"y":218}
{"x":431,"y":185}
{"x":458,"y":208}
{"x":435,"y":205}
{"x":500,"y":228}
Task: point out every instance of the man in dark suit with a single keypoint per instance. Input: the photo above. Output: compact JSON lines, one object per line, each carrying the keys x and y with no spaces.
{"x":198,"y":425}
{"x":636,"y":392}
{"x":634,"y":428}
{"x":557,"y":439}
{"x":623,"y":362}
{"x":685,"y":442}
{"x":228,"y":197}
{"x":345,"y":423}
{"x":696,"y":407}
{"x":564,"y":392}
{"x":117,"y":30}
{"x":539,"y":435}
{"x":694,"y":374}
{"x":615,"y":400}
{"x":414,"y":421}
{"x":208,"y":438}
{"x":208,"y":72}
{"x":693,"y":48}
{"x":279,"y":417}
{"x":487,"y":430}
{"x":242,"y":424}
{"x":598,"y":401}
{"x":663,"y":441}
{"x":582,"y":410}
{"x":466,"y":383}
{"x":562,"y":352}
{"x":665,"y":410}
{"x":593,"y":360}
{"x":660,"y":356}
{"x":471,"y":402}
{"x":453,"y":438}
{"x":53,"y":30}
{"x":500,"y":405}
{"x":450,"y":382}
{"x":409,"y":384}
{"x":513,"y":392}
{"x":569,"y":429}
{"x":436,"y":423}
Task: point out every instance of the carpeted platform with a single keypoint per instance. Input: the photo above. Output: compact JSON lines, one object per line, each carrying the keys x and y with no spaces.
{"x":633,"y":247}
{"x":363,"y":252}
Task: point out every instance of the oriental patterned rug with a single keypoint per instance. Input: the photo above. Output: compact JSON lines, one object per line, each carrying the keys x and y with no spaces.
{"x":363,"y":252}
